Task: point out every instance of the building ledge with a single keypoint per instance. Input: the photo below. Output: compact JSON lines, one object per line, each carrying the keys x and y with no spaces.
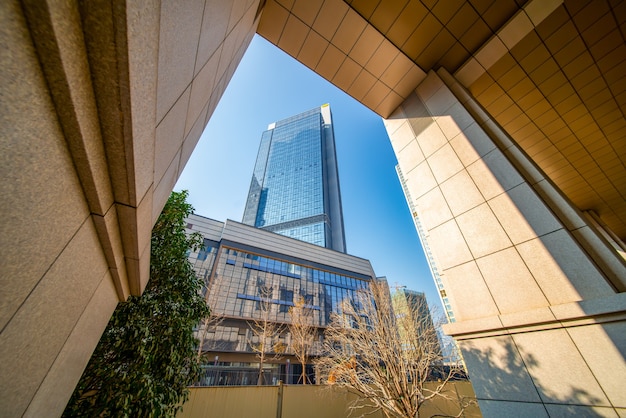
{"x":586,"y":312}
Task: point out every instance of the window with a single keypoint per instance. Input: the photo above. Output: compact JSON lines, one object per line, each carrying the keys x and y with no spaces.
{"x":307,"y":297}
{"x":286,"y":296}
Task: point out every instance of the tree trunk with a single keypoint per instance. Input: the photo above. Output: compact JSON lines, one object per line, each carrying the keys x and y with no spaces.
{"x":261,"y":380}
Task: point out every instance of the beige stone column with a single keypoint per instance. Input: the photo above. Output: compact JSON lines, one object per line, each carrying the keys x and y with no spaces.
{"x":535,"y":289}
{"x":101,"y":105}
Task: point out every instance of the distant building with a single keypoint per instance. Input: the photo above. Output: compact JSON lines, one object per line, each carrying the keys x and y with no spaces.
{"x":238,"y":263}
{"x":449,"y":346}
{"x":409,"y":302}
{"x":295,"y":184}
{"x":423,"y":237}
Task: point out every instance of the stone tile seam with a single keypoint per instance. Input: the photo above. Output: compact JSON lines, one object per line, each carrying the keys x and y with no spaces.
{"x":219,"y":48}
{"x":574,"y":321}
{"x":87,"y":305}
{"x":52,"y":263}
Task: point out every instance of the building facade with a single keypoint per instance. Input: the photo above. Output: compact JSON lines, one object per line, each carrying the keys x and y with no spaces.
{"x":432,"y":264}
{"x":507,"y":119}
{"x":295,"y":184}
{"x":411,"y":303}
{"x":252,"y":274}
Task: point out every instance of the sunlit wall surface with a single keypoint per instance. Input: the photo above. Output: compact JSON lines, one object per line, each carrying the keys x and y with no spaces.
{"x":294,"y":189}
{"x":423,"y":236}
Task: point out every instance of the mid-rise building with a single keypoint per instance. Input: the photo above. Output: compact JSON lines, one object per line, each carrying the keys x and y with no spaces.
{"x":247,"y":270}
{"x":295,"y":184}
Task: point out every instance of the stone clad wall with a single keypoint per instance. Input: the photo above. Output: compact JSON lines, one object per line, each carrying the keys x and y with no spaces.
{"x":57,"y":293}
{"x":102,"y":105}
{"x":520,"y":280}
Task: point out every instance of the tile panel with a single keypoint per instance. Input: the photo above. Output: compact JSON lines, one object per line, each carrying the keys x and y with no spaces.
{"x":558,"y":78}
{"x":340,"y":45}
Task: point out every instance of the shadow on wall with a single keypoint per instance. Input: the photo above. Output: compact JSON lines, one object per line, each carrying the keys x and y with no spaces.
{"x":480,"y":150}
{"x":496,"y":210}
{"x":499,"y":371}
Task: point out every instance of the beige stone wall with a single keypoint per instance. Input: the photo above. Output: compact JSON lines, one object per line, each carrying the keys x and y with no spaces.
{"x":553,"y":372}
{"x":101,"y":106}
{"x":522,"y":268}
{"x":57,"y":293}
{"x":200,"y":45}
{"x":304,"y":401}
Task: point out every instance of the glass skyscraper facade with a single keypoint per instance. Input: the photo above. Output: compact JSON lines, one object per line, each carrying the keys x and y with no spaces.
{"x":295,"y":186}
{"x":246,"y":277}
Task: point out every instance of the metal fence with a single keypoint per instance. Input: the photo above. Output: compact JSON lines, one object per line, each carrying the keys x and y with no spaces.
{"x":238,"y":376}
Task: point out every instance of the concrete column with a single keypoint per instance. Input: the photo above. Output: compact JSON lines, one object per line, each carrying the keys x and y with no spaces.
{"x":535,"y":289}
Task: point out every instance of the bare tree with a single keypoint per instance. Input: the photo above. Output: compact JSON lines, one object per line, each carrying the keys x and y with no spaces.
{"x":265,"y":330}
{"x":302,"y":333}
{"x":213,"y":321}
{"x":384,"y":358}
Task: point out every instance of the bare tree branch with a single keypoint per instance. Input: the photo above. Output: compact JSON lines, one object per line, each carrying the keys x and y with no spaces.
{"x":302,"y":333}
{"x":211,"y":323}
{"x":265,"y":330}
{"x":385,"y":357}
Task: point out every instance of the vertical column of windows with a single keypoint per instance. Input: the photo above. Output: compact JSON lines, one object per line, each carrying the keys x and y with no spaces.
{"x":256,"y":197}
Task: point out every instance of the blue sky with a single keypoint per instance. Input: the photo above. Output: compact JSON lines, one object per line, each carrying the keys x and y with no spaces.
{"x":269,"y":86}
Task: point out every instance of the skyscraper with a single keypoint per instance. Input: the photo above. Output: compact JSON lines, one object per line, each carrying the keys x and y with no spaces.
{"x":295,"y":184}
